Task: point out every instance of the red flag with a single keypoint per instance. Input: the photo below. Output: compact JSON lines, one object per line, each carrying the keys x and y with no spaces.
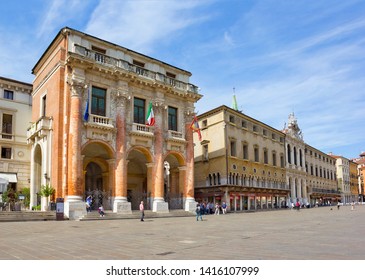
{"x":195,"y":127}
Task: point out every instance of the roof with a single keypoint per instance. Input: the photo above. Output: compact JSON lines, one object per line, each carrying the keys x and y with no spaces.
{"x":65,"y":29}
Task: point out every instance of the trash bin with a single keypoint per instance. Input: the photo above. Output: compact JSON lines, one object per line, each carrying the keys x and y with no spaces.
{"x":59,"y":209}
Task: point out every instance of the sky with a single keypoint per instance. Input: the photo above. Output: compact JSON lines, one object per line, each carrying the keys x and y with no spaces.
{"x":277,"y":56}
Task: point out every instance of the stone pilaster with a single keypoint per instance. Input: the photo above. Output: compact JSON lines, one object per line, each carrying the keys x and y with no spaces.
{"x":190,"y":203}
{"x":159,"y":205}
{"x":74,"y":205}
{"x":121,"y":204}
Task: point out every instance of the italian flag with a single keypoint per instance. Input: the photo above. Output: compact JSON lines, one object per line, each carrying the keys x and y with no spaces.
{"x":150,"y":116}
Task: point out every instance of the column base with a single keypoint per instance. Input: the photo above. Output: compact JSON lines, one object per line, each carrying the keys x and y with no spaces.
{"x":122,"y":206}
{"x":160,"y":206}
{"x":74,"y":208}
{"x":190,"y":204}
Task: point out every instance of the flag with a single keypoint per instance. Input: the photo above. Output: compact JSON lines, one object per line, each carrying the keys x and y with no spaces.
{"x":86,"y":113}
{"x":234,"y":103}
{"x":195,"y":127}
{"x":150,"y":116}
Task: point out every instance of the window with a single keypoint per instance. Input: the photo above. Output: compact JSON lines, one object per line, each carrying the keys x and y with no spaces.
{"x":204,"y":123}
{"x":231,"y":119}
{"x":8,"y":94}
{"x":274,"y":159}
{"x":233,"y":148}
{"x":172,"y":118}
{"x":139,"y":110}
{"x":264,"y":132}
{"x":205,"y":152}
{"x":245,"y":151}
{"x":7,"y":126}
{"x":44,"y":105}
{"x":6,"y":152}
{"x":99,"y":54}
{"x":300,"y":158}
{"x":139,"y":67}
{"x":295,"y":155}
{"x":289,"y":154}
{"x":266,"y":157}
{"x":282,"y":164}
{"x":244,"y":124}
{"x":98,"y":101}
{"x":256,"y":153}
{"x":254,"y":128}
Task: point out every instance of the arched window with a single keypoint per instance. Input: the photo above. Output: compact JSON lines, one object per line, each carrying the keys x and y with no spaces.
{"x":289,"y":153}
{"x":295,"y":155}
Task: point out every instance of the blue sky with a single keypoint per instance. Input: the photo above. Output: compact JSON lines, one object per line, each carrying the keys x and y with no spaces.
{"x":306,"y":57}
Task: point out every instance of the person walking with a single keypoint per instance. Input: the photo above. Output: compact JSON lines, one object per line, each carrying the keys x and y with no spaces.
{"x":224,"y":207}
{"x":89,"y":200}
{"x":216,"y":209}
{"x":198,"y":211}
{"x":141,"y":209}
{"x":101,"y":211}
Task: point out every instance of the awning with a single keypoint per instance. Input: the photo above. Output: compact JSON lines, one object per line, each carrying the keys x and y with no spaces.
{"x":11,"y":177}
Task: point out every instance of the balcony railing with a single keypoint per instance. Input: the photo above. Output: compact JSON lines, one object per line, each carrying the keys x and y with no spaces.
{"x":101,"y":121}
{"x":174,"y":134}
{"x":125,"y":65}
{"x":39,"y":128}
{"x":137,"y":127}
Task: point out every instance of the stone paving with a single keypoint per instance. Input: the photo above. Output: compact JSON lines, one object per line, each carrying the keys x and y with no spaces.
{"x":307,"y":234}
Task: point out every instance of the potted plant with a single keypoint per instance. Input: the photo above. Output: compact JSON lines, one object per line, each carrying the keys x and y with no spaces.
{"x":45,"y":193}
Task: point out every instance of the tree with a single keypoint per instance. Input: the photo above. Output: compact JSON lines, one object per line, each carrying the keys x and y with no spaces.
{"x":45,"y":192}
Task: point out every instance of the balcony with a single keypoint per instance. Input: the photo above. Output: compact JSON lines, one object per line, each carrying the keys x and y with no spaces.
{"x":175,"y":141}
{"x":39,"y":129}
{"x":140,"y":71}
{"x":141,"y":134}
{"x":100,"y":128}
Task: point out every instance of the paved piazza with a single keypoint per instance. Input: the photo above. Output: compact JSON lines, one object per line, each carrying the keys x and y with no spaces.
{"x":308,"y":234}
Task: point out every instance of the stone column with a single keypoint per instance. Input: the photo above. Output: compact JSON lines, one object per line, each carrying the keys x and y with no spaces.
{"x":74,"y":205}
{"x":150,"y":189}
{"x":159,"y":204}
{"x":190,"y":202}
{"x":121,"y":204}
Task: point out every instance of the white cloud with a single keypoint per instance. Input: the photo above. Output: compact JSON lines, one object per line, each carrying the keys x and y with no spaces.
{"x":138,"y":25}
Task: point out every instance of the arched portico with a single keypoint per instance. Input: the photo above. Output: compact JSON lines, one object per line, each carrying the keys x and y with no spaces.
{"x":175,"y":190}
{"x":98,"y":173}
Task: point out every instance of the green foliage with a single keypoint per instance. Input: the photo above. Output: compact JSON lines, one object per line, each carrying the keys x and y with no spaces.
{"x":26,"y":193}
{"x":46,"y":190}
{"x":38,"y":207}
{"x":10,"y":196}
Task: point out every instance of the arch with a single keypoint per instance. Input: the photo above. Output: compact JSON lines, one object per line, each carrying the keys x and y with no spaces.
{"x":108,"y":152}
{"x":146,"y":152}
{"x":98,"y":173}
{"x":174,"y":180}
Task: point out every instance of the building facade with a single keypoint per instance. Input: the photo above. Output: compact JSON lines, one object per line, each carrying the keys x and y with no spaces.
{"x":295,"y":162}
{"x":89,"y":134}
{"x":354,"y":181}
{"x":343,"y":178}
{"x":360,"y":161}
{"x":321,"y":177}
{"x":15,"y":115}
{"x":240,"y":161}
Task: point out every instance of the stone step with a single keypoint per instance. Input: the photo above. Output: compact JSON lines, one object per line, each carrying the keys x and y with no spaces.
{"x":22,"y":216}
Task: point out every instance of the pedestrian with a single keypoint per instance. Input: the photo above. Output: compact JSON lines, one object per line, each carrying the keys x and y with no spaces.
{"x":101,"y":211}
{"x":198,"y":211}
{"x":89,"y":201}
{"x":338,"y":205}
{"x":352,"y":205}
{"x":141,"y":209}
{"x":297,"y":205}
{"x":216,"y":209}
{"x":224,"y":207}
